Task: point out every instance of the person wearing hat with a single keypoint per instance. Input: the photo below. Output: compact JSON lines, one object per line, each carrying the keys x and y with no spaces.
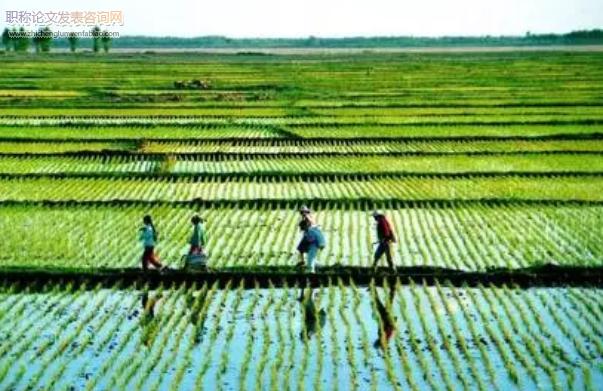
{"x":385,"y":236}
{"x":306,"y":215}
{"x":313,"y":241}
{"x":306,"y":222}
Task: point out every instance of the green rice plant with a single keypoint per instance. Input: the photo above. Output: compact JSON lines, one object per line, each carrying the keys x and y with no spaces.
{"x":13,"y":304}
{"x":285,"y":188}
{"x":333,"y":342}
{"x":214,"y":329}
{"x":224,"y":357}
{"x":151,"y":325}
{"x":110,"y":365}
{"x":180,"y":348}
{"x":110,"y":333}
{"x":587,"y":310}
{"x":160,"y":342}
{"x":428,"y":373}
{"x":56,"y":339}
{"x":197,"y":306}
{"x":319,"y":346}
{"x":354,"y":380}
{"x":292,"y":337}
{"x":389,"y":367}
{"x":509,"y":340}
{"x":244,"y":369}
{"x":56,"y":302}
{"x":568,"y":333}
{"x":408,"y":368}
{"x":146,"y":129}
{"x":431,"y":343}
{"x":264,"y":358}
{"x":360,"y":322}
{"x":534,"y":345}
{"x":55,"y":379}
{"x":588,"y":379}
{"x":509,"y":298}
{"x":584,"y":327}
{"x":448,"y":347}
{"x":462,"y":341}
{"x":315,"y":147}
{"x":499,"y":345}
{"x":279,"y":362}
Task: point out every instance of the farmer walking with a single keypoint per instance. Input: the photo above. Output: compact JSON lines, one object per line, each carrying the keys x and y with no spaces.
{"x":148,"y":236}
{"x":385,"y":237}
{"x":306,"y":218}
{"x":198,"y":237}
{"x":306,"y":215}
{"x":311,"y":243}
{"x":196,"y":259}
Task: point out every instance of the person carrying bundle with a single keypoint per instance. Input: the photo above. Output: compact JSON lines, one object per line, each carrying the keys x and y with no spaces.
{"x":385,"y":237}
{"x":196,"y":257}
{"x":311,"y":243}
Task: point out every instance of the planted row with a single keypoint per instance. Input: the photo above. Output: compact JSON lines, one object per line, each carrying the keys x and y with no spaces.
{"x":296,"y":188}
{"x":249,"y":164}
{"x":464,"y":237}
{"x":147,"y":129}
{"x":360,"y":146}
{"x":340,"y":337}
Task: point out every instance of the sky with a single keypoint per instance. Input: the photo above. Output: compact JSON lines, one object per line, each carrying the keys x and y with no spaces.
{"x":333,"y":18}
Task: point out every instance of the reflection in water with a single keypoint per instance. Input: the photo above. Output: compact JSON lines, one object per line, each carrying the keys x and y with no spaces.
{"x":151,"y":304}
{"x":313,"y":318}
{"x":197,"y":312}
{"x":148,"y":321}
{"x":387,"y":323}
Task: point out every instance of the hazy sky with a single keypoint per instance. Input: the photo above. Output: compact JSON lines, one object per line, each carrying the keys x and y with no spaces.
{"x":335,"y":18}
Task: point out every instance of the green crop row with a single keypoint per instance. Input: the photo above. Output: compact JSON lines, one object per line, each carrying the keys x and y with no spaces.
{"x":92,"y":131}
{"x":289,"y":146}
{"x":104,"y":236}
{"x":341,"y":188}
{"x":300,"y":146}
{"x":250,"y":164}
{"x":310,"y":75}
{"x":207,"y":128}
{"x":335,"y":338}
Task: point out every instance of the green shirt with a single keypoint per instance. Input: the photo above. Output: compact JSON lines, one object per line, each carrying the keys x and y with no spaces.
{"x":198,"y":238}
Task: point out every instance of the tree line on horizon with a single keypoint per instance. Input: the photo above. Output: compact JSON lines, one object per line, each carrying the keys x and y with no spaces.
{"x":43,"y":40}
{"x":581,"y":37}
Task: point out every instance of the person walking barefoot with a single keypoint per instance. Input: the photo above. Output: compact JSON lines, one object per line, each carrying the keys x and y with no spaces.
{"x":148,"y":236}
{"x":386,"y":238}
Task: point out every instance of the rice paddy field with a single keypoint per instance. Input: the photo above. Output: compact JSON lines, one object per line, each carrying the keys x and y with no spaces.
{"x":485,"y":163}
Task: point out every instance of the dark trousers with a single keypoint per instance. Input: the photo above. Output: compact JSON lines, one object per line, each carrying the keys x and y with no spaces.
{"x":149,"y":256}
{"x":384,"y":248}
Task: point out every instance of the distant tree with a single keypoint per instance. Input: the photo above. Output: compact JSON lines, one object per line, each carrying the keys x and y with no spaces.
{"x":6,"y":39}
{"x":46,"y":39}
{"x":72,"y":41}
{"x":312,"y":41}
{"x":96,"y":39}
{"x":37,"y":40}
{"x":106,"y":39}
{"x":23,"y":41}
